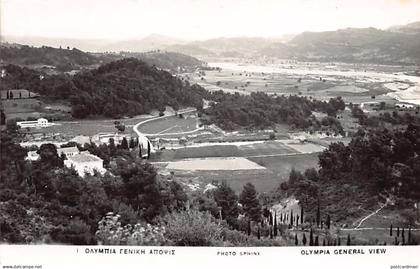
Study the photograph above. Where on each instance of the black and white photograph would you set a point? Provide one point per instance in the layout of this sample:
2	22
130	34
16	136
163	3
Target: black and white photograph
289	124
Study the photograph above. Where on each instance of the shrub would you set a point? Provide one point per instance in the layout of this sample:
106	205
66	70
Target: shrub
192	228
110	232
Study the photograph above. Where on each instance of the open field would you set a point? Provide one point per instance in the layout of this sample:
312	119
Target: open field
355	83
22	108
282	165
169	125
92	127
265	180
231	163
266	148
238	149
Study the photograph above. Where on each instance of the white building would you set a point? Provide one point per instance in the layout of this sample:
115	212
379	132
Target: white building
68	152
85	163
404	106
32	156
40	123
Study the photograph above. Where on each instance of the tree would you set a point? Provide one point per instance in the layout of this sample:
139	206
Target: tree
250	203
132	143
291	218
249	227
124	144
296	240
318	215
403	236
2	117
275	224
49	156
304	239
316	243
409	236
148	149
328	221
390	230
348	240
226	198
398	231
301	214
311	238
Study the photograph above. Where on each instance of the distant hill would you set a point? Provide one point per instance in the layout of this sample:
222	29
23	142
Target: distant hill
125	87
368	45
151	42
171	61
62	58
412	28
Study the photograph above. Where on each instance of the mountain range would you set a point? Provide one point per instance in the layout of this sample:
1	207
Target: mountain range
395	45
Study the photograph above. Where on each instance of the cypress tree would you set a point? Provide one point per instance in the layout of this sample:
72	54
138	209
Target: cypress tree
281	217
396	241
132	143
323	242
270	219
271	233
403	236
304	239
258	233
11	95
7	95
318	215
249	227
124	143
275	224
296	240
148	149
339	242
348	240
390	230
311	238
20	95
409	236
316	241
328	221
301	214
291	218
297	220
398	231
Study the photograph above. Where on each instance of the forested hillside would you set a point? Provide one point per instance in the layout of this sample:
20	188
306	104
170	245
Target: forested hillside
124	87
376	165
259	111
64	59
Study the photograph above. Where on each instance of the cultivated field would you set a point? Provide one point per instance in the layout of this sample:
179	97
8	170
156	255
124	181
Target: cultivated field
92	127
313	80
209	164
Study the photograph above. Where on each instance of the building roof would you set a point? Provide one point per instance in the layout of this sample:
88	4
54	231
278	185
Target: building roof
84	157
67	150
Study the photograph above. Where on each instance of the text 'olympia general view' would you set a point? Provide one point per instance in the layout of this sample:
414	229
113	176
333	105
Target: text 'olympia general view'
289	123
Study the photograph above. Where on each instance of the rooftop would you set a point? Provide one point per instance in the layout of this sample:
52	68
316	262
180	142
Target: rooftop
84	157
67	150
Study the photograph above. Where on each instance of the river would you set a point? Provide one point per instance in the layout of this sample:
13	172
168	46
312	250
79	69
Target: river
411	93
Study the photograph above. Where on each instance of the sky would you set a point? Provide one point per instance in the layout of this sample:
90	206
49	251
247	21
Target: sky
197	19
